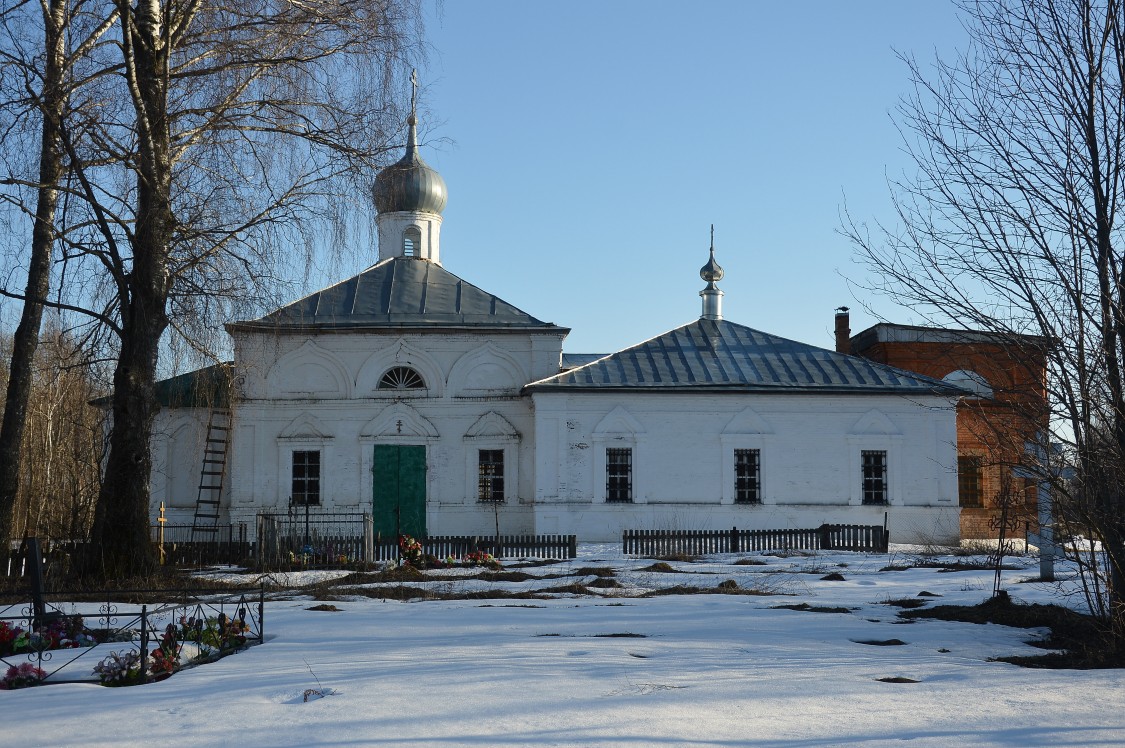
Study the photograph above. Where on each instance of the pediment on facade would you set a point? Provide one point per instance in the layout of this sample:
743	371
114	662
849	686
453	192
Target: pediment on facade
485	370
618	421
309	371
399	420
305	426
747	421
399	354
492	426
874	422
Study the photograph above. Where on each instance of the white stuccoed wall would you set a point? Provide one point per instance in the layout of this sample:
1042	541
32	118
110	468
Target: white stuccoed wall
306	393
177	458
683	455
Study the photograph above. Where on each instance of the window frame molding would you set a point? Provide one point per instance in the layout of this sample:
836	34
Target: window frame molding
618	429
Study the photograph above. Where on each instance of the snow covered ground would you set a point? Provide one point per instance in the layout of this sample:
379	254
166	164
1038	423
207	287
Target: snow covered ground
612	668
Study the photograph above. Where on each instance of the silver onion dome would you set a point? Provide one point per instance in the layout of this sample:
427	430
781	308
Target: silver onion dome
712	271
410	184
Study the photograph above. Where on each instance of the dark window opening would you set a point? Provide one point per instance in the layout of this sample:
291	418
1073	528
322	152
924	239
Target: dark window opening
619	475
874	477
747	476
411	242
306	478
490	475
970	479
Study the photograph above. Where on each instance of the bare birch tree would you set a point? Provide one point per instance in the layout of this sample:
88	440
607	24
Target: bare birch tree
214	142
246	121
40	44
1010	225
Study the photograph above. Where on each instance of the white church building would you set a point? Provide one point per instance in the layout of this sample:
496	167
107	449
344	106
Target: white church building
414	395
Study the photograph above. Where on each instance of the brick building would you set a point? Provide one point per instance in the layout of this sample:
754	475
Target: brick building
1009	375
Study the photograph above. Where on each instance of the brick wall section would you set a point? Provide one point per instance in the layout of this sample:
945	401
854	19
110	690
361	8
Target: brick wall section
993	429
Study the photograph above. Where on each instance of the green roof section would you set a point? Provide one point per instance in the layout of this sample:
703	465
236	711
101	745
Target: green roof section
399	292
208	387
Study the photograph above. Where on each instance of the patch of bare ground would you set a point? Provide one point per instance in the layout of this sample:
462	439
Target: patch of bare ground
594	571
812	608
749	562
681	589
531	563
947	566
660	566
881	642
1084	645
896	679
904	602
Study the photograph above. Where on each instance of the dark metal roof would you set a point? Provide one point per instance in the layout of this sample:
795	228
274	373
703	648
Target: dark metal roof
722	356
574	360
399	292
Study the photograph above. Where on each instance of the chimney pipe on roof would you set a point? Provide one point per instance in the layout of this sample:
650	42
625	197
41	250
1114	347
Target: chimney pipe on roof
843	330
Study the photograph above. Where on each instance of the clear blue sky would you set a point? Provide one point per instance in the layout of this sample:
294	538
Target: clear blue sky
588	146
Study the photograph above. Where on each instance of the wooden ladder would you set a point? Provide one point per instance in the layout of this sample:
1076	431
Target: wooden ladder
205	526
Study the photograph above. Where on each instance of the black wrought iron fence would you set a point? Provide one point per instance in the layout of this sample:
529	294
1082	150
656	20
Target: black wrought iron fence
177	546
118	644
320	538
502	546
869	538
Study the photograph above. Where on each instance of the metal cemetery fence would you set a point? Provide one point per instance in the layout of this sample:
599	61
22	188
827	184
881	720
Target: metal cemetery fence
503	546
177	548
325	538
869	538
322	538
56	646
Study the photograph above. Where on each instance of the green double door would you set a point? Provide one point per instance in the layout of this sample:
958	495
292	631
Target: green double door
399	490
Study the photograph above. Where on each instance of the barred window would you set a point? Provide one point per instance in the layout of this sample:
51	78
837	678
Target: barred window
490	475
619	474
747	476
306	478
874	477
970	477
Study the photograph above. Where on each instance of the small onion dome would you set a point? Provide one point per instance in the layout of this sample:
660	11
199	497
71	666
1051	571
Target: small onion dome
409	184
712	271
